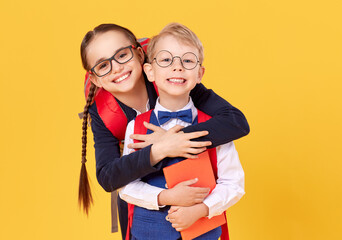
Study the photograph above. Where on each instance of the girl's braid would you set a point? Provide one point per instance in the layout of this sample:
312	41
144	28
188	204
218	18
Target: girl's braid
84	192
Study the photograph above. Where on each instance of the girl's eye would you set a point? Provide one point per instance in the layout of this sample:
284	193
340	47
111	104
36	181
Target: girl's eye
122	55
103	65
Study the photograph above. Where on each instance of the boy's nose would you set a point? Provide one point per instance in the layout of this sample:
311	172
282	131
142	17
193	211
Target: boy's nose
116	67
177	65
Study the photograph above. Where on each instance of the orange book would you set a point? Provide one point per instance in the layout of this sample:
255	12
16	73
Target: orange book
189	169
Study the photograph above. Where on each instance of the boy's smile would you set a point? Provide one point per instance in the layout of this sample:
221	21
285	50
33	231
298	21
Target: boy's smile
174	81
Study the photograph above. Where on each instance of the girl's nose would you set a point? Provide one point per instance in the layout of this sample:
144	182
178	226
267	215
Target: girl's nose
116	67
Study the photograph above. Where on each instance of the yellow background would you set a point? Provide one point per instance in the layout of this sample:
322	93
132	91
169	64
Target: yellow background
277	61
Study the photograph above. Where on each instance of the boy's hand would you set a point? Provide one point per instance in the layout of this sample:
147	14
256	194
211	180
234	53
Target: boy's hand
183	194
183	217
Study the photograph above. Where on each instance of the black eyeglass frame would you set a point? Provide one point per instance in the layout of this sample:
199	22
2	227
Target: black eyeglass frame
92	70
180	58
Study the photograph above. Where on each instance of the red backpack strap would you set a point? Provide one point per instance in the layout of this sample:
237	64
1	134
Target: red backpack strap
111	113
144	43
130	220
224	228
202	117
109	110
139	128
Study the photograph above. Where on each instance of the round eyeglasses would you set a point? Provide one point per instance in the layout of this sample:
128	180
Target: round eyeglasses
164	59
121	56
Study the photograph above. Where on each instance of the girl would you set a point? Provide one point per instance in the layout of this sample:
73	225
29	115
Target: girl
114	59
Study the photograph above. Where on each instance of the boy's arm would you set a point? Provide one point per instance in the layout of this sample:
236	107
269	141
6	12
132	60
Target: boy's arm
141	194
150	197
229	189
184	217
227	123
230	184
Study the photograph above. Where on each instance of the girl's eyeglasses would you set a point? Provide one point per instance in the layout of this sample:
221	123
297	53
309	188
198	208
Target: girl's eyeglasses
121	56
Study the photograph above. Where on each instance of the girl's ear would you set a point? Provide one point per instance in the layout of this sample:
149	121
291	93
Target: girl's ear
149	72
141	55
95	80
200	74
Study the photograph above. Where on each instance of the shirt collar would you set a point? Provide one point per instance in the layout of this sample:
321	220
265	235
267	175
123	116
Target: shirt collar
189	105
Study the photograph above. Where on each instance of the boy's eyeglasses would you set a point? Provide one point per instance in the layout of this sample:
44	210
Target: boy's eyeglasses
121	56
164	59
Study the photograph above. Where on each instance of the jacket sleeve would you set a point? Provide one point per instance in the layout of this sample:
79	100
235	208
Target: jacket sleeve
113	171
227	123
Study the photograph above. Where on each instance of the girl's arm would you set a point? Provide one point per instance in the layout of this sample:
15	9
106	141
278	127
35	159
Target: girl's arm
227	123
113	171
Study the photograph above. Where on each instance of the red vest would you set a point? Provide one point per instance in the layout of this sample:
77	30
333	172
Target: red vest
139	128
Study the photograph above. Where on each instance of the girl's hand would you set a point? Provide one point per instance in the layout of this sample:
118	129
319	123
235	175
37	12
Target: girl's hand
175	143
147	139
183	217
183	194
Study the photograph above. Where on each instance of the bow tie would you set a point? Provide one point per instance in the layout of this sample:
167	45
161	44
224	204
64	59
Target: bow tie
184	115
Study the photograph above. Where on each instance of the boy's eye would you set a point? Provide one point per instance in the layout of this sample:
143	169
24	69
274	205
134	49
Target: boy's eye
166	60
188	61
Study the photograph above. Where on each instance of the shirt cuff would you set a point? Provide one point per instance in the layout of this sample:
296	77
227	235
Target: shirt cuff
214	204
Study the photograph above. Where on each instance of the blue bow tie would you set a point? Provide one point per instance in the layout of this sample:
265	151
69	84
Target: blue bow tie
184	115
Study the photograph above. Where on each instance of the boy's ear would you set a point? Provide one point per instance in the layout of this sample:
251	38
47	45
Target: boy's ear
149	72
95	80
200	73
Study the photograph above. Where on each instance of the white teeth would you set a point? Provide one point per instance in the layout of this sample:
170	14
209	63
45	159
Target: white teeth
176	80
121	78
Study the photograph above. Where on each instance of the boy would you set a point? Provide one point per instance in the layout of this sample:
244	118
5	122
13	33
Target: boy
175	65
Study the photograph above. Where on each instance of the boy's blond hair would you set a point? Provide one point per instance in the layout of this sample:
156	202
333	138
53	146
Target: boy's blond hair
181	33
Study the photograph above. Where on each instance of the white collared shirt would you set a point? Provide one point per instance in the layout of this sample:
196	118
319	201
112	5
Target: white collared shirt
230	183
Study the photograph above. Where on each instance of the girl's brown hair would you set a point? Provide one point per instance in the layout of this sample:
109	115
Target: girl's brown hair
84	192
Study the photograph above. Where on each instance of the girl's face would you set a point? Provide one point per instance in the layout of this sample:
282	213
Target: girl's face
123	77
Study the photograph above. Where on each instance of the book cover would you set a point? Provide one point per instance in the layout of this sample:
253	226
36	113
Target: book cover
189	169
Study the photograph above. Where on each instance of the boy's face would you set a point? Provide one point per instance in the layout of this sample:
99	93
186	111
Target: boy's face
174	80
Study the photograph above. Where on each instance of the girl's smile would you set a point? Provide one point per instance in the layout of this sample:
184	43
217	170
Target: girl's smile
123	78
